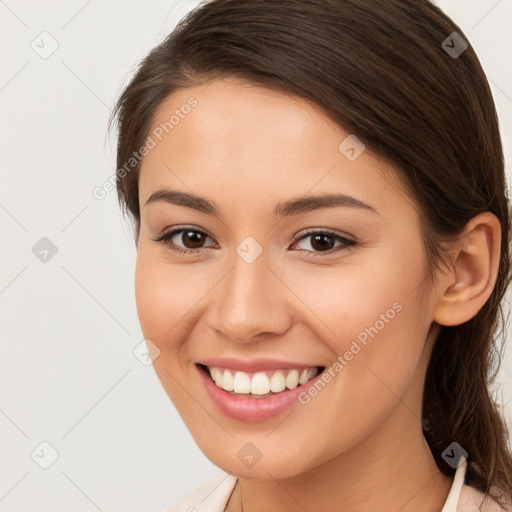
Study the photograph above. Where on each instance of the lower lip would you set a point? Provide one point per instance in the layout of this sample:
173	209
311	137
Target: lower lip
253	409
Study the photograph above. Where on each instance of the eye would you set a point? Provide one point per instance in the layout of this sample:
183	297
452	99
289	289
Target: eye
191	238
324	242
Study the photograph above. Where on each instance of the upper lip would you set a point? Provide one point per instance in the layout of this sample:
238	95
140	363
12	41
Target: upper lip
252	365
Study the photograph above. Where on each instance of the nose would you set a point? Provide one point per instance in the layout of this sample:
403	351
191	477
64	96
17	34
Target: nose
251	303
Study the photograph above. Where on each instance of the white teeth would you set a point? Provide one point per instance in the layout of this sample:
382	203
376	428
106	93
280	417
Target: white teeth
303	376
260	383
292	379
216	375
228	381
242	383
277	382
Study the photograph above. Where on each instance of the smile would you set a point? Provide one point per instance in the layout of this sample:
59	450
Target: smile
261	383
257	395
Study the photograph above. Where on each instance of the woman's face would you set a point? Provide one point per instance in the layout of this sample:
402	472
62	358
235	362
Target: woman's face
266	291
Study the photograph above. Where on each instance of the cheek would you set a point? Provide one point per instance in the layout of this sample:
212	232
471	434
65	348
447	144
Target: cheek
351	301
161	301
370	317
378	366
164	296
162	305
377	341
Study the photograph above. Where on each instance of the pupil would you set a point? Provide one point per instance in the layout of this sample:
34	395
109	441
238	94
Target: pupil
194	235
321	239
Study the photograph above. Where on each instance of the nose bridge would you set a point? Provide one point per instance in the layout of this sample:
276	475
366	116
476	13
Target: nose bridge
250	301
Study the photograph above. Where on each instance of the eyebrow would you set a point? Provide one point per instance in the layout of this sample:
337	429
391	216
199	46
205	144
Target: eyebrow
282	209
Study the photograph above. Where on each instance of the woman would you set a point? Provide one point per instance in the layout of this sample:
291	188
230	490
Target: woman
322	231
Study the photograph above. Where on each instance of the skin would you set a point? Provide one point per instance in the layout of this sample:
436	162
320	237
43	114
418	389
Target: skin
358	444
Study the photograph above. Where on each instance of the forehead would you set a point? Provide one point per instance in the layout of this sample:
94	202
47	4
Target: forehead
242	141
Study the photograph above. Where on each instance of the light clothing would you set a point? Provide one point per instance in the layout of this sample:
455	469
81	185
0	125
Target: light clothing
213	496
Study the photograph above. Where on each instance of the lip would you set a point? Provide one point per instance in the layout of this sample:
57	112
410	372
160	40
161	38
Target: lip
252	409
254	365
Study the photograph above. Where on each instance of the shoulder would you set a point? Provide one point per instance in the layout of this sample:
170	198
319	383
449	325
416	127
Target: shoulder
209	497
472	500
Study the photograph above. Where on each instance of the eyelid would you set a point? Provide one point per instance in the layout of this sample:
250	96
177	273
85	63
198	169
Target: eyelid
347	242
327	231
171	232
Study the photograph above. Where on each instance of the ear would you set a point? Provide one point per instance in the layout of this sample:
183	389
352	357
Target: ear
475	262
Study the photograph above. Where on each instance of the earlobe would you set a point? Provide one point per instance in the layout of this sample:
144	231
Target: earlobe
465	289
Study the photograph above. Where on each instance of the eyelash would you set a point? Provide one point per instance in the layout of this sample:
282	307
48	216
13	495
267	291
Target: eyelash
346	243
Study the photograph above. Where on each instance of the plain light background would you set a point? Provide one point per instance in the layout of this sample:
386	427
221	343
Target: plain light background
68	373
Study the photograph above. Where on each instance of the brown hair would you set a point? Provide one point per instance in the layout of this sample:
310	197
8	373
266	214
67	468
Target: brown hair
380	69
